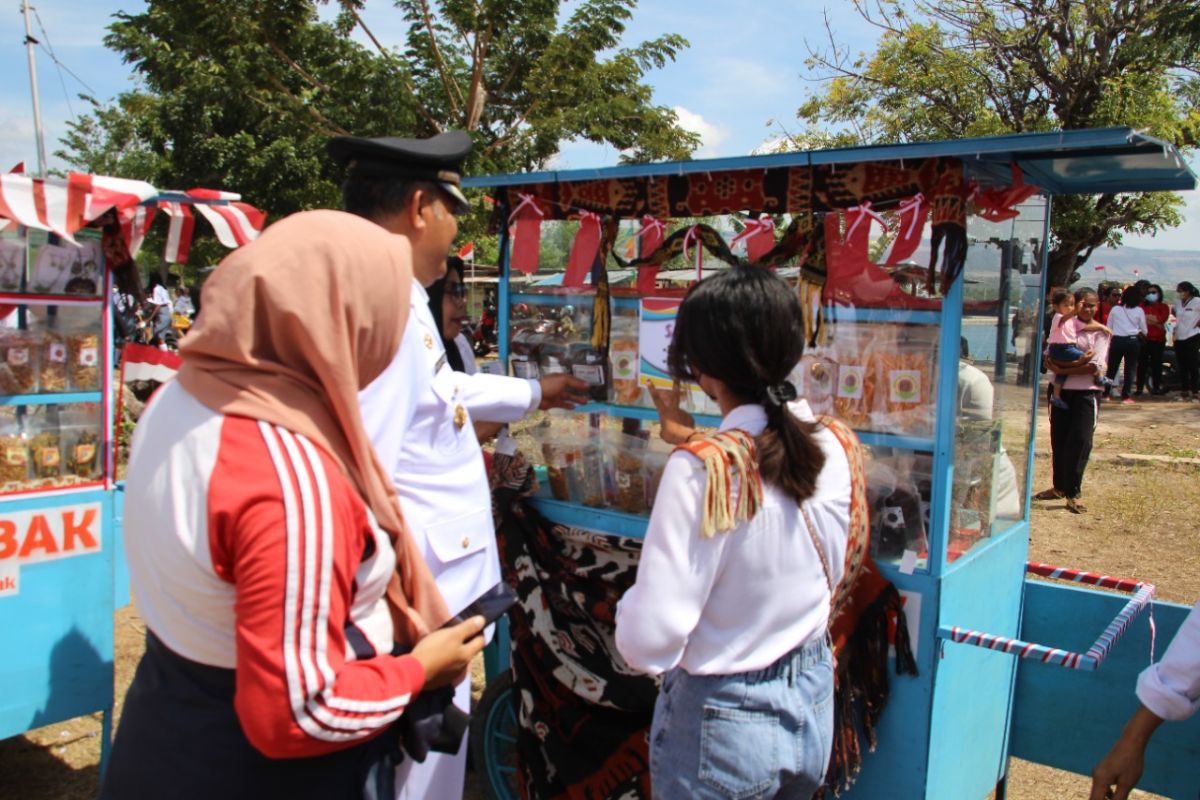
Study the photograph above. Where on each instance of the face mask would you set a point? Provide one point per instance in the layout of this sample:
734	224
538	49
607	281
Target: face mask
1153	298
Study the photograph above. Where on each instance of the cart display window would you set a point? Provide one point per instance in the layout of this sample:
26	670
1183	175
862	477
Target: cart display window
998	369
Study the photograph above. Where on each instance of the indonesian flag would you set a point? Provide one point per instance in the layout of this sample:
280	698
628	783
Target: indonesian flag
235	223
135	222
1099	268
179	233
66	206
141	362
467	252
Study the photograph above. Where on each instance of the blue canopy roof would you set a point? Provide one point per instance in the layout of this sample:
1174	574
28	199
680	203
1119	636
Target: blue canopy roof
1064	162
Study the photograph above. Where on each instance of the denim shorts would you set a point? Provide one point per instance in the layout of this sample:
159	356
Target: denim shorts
765	733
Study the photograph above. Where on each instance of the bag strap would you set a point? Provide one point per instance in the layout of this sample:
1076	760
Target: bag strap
812	534
860	526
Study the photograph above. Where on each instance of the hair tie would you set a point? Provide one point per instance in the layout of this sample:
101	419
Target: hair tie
781	393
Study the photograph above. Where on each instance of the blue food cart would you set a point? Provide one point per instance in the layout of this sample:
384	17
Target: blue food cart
923	270
62	567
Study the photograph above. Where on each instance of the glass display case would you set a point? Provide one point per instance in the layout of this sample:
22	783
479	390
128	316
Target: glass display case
54	365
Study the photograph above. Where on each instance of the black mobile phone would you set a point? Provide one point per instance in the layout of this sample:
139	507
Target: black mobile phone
491	604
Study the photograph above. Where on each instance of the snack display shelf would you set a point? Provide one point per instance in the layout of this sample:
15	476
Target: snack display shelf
17	298
638	412
839	313
60	398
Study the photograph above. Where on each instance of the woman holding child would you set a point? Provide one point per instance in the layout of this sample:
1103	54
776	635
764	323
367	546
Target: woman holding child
1072	426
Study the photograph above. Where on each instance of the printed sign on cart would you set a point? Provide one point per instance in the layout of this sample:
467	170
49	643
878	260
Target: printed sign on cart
656	326
45	534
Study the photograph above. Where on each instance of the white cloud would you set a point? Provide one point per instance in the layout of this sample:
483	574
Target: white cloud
711	135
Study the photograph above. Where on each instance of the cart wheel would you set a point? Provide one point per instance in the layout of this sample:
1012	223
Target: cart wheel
494	739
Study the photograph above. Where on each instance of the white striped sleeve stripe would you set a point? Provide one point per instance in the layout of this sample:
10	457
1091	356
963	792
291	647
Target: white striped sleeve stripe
310	679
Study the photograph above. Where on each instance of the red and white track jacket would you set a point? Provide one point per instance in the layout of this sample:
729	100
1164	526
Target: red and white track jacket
250	550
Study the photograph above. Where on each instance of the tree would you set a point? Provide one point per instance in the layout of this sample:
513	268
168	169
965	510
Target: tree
948	69
244	95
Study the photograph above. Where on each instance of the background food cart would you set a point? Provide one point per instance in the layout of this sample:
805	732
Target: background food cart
62	567
934	366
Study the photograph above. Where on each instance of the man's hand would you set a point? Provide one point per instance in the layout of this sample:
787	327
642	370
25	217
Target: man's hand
676	424
1116	775
562	391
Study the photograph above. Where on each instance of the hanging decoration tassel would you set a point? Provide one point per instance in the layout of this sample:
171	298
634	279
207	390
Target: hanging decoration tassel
912	212
525	224
583	250
651	236
813	316
693	238
759	236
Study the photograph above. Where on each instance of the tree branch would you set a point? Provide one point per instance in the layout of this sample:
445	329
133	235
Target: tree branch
391	60
453	93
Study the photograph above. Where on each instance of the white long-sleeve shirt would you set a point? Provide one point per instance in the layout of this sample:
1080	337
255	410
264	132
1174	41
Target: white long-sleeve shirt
742	599
418	414
1171	688
1187	319
1127	321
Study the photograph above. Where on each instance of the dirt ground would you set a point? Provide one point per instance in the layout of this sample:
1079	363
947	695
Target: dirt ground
1141	523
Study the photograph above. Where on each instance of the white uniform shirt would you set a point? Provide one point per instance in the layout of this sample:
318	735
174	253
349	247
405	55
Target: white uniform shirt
467	354
742	599
1127	321
1171	688
1187	319
494	398
411	414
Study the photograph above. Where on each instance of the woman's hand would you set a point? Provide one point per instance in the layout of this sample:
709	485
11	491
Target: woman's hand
676	424
447	652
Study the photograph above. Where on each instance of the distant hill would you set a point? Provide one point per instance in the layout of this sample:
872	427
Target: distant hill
1164	267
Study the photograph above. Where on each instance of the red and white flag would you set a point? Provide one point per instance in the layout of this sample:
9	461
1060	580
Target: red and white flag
235	223
467	252
66	206
142	362
179	234
1137	272
135	222
1099	268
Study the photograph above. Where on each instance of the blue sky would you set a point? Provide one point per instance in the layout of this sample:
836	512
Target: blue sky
745	69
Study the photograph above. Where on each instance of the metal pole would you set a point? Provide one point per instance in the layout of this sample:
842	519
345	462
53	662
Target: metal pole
33	86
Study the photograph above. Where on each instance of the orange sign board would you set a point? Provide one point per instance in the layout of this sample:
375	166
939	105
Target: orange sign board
45	534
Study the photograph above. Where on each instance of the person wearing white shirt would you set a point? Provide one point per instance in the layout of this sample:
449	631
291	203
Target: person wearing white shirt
447	304
1128	324
1187	339
418	412
733	608
1168	690
160	314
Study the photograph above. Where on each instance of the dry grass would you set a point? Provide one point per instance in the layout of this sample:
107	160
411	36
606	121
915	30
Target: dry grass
1141	523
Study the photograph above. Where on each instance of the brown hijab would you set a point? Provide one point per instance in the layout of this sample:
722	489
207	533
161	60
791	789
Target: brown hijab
294	325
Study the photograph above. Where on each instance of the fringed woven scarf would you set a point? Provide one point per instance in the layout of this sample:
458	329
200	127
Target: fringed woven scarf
728	455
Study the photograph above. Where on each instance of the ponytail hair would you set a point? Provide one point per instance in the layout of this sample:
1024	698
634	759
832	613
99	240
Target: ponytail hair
743	326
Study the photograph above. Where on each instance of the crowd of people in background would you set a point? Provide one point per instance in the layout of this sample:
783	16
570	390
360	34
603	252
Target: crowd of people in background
159	315
1146	329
